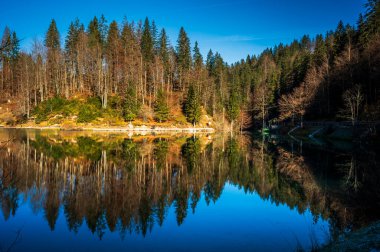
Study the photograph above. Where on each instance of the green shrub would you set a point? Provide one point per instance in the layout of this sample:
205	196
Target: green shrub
54	105
88	113
115	102
161	108
95	101
71	108
131	106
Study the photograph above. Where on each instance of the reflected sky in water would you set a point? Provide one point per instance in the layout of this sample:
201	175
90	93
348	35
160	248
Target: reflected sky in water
235	221
79	191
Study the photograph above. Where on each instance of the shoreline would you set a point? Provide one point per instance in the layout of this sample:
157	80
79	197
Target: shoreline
140	129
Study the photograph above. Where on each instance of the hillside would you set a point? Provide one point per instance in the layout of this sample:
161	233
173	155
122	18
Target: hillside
132	73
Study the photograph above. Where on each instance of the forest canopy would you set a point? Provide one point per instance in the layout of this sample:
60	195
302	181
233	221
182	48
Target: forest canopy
133	71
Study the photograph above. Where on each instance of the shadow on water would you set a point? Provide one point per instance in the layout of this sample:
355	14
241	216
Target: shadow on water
110	182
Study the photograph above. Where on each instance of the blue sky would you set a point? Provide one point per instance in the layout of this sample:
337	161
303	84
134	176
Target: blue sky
234	28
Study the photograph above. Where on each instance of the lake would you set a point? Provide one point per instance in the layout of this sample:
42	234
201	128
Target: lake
65	191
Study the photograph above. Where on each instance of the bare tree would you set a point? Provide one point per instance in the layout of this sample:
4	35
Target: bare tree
353	99
295	104
263	94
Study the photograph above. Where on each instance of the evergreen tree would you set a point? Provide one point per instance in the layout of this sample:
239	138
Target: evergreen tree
6	44
52	43
218	66
183	51
340	38
372	17
233	105
161	108
131	104
368	25
94	37
128	39
197	57
320	50
156	41
163	49
15	45
113	40
113	48
72	37
210	61
103	30
192	107
362	36
52	37
305	43
147	44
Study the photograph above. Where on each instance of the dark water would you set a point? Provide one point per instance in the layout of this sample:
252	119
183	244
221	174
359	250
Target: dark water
67	191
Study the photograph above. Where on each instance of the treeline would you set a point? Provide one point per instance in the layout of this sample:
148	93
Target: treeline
331	76
132	61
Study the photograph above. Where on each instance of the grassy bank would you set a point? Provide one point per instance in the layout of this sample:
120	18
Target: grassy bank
85	113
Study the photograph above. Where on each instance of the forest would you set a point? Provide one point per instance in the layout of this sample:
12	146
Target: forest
130	72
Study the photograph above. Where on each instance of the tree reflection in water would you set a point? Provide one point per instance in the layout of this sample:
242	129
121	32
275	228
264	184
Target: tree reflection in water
127	185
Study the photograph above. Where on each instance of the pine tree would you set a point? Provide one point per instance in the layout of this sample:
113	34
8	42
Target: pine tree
210	61
163	53
72	37
52	42
368	25
362	36
112	40
183	50
131	104
71	50
93	31
52	37
218	72
9	55
340	38
305	43
103	30
127	34
183	56
6	44
197	56
372	17
161	108
147	45
129	41
113	46
15	45
163	48
320	51
192	107
156	42
233	105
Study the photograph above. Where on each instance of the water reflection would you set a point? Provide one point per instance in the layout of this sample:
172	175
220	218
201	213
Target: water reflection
127	185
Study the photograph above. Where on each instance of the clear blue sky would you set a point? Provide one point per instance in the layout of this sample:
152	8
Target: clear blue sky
234	28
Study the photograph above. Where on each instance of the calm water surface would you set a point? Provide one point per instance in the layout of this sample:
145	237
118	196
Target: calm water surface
68	191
